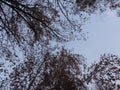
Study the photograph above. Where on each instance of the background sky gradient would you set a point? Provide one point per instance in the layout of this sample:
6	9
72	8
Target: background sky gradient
103	37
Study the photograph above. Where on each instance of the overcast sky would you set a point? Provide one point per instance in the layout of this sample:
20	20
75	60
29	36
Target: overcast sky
103	37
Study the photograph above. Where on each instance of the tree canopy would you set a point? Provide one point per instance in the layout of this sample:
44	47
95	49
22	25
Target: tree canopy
28	26
106	73
41	20
54	72
24	22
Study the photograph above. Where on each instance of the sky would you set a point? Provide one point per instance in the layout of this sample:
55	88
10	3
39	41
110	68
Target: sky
103	37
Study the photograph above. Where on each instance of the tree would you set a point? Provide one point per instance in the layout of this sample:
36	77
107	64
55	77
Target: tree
106	73
91	6
30	25
37	17
61	71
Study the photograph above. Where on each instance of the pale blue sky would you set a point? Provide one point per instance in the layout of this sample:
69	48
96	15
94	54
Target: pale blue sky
103	37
